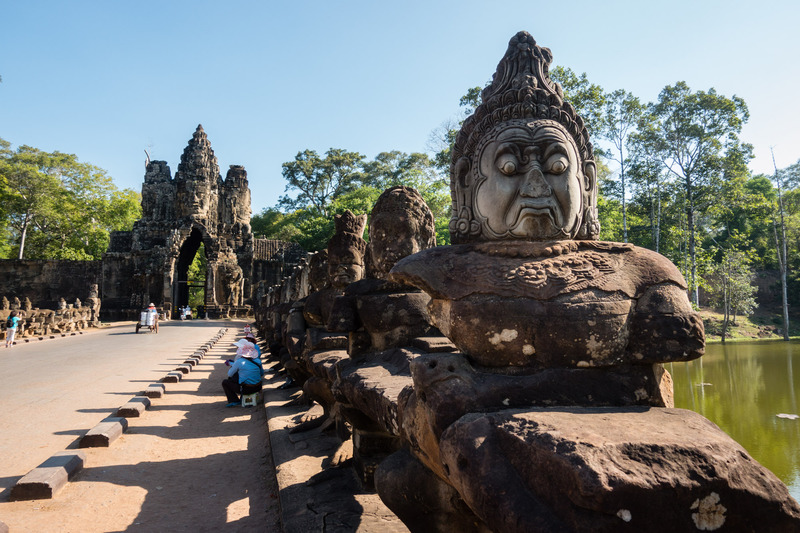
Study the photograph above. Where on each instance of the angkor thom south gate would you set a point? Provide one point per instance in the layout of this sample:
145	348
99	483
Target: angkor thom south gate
150	263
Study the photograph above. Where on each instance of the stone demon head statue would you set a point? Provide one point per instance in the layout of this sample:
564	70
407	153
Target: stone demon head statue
522	165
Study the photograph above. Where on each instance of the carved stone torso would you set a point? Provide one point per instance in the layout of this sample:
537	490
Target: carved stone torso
559	304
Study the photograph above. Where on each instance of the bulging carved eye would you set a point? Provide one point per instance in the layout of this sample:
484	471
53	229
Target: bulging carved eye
507	165
556	165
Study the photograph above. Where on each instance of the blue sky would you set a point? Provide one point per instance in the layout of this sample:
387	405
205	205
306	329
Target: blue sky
107	80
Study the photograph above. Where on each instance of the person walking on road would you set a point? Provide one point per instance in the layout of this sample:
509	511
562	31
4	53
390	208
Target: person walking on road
11	328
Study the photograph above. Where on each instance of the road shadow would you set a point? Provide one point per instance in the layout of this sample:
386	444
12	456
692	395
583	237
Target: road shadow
198	493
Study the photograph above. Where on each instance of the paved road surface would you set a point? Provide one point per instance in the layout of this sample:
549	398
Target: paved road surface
53	391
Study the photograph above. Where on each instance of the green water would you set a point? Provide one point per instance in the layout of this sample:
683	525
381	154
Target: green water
741	387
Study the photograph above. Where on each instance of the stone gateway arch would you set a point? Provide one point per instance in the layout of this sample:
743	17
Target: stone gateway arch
197	206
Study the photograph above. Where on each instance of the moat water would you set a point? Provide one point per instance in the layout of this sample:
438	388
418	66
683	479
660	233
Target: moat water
751	391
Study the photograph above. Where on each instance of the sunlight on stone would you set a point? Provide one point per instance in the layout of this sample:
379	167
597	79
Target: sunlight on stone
238	509
244	417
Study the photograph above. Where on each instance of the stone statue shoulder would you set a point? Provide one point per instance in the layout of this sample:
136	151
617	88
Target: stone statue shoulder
538	270
377	286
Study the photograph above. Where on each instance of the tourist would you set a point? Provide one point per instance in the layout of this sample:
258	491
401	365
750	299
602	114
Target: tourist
244	375
153	316
11	328
252	339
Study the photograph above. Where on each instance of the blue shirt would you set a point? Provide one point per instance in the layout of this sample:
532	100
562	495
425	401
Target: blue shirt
15	321
250	370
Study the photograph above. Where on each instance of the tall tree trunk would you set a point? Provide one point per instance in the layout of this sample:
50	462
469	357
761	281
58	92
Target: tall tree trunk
781	251
622	182
781	248
725	304
692	248
23	233
658	215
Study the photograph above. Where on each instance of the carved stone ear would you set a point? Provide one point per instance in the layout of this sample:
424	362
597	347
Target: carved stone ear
461	171
590	175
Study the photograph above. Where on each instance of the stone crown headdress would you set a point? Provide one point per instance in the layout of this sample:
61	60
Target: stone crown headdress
521	88
408	202
347	222
349	235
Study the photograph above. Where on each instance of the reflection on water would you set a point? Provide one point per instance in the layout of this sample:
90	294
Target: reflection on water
741	387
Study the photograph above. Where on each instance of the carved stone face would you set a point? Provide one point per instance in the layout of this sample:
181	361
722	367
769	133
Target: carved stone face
392	238
345	268
530	183
318	271
194	200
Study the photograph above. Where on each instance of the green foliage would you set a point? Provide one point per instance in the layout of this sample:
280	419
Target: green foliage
390	169
345	181
318	180
196	275
587	98
55	207
730	286
623	111
694	135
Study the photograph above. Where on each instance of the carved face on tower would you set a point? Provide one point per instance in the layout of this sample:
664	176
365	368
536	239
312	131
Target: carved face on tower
193	198
531	182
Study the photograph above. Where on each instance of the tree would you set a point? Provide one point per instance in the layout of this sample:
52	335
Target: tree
623	111
318	180
344	180
647	183
587	98
57	207
272	224
732	288
390	169
691	134
33	189
781	249
196	276
443	138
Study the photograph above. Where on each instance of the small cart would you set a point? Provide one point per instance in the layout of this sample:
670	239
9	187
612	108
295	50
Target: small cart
147	319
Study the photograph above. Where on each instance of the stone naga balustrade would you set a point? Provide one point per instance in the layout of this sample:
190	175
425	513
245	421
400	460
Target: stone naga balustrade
36	322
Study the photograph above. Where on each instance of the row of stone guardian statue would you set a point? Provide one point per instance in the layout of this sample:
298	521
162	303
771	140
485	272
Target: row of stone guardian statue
35	322
513	381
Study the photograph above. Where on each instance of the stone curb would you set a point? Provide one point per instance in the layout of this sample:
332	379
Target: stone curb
156	390
172	377
312	496
104	433
44	481
135	407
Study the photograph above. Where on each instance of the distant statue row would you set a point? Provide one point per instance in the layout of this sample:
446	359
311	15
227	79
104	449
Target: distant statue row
513	381
35	322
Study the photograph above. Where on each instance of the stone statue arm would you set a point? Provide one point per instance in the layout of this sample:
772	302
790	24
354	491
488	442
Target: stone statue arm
344	315
296	331
664	327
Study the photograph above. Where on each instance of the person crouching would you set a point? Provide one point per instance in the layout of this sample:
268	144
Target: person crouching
244	374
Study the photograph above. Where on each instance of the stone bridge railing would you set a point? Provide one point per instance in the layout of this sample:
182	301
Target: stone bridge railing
36	322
